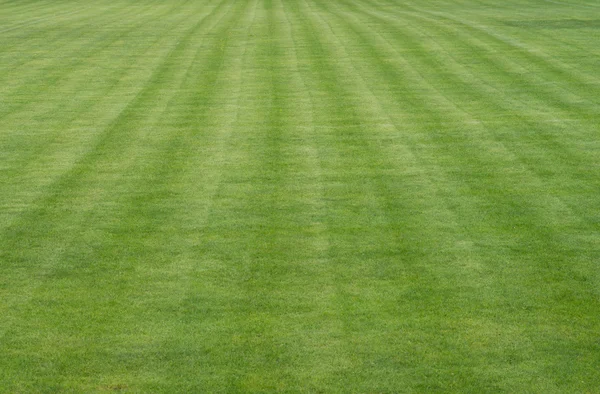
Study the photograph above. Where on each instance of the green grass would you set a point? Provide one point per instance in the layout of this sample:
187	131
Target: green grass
300	196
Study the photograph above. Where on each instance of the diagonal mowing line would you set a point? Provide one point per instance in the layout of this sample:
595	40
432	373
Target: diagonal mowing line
78	168
36	21
44	152
557	204
76	57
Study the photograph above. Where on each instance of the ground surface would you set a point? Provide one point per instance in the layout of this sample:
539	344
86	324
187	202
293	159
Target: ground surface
317	195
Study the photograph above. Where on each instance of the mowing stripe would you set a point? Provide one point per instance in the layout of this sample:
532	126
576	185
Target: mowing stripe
277	195
57	204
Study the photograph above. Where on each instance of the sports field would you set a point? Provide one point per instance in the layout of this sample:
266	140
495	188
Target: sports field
300	196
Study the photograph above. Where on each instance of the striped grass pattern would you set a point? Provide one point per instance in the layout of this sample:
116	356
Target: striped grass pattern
300	195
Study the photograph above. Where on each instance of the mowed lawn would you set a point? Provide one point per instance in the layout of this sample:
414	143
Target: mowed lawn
300	196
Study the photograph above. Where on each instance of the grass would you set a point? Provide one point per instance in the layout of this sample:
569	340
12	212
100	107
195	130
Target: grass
299	195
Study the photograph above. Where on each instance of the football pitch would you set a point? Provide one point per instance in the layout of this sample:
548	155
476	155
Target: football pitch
300	196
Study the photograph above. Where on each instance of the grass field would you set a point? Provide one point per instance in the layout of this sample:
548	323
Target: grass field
300	195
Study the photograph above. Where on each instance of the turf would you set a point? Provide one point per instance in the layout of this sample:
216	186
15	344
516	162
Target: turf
300	196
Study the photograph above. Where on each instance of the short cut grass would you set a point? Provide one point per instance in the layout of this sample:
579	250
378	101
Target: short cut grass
299	195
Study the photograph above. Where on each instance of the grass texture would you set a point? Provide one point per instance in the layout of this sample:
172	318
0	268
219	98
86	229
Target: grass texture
300	196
